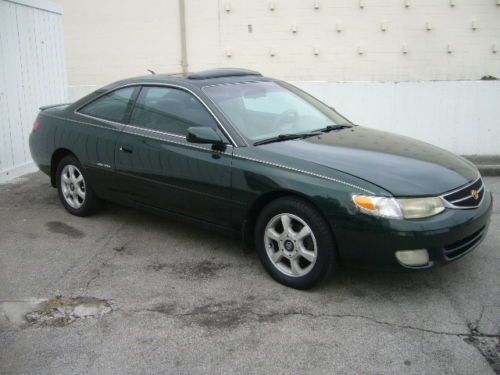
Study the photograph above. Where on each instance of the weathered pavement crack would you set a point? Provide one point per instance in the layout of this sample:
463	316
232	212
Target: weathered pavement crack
272	315
487	346
217	316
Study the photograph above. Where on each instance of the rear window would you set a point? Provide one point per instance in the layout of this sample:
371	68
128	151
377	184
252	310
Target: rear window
112	106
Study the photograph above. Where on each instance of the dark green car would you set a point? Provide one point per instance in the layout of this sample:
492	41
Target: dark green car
257	157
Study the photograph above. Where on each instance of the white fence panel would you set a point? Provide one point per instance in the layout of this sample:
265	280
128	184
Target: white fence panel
32	74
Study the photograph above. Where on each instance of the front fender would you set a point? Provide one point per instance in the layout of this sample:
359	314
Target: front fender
254	176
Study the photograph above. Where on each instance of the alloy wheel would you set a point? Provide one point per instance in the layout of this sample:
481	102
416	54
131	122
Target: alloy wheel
290	245
73	186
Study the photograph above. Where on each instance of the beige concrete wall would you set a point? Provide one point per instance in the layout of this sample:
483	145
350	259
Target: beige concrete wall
361	50
113	39
335	40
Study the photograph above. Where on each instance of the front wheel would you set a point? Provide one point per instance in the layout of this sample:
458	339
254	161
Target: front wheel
74	192
295	243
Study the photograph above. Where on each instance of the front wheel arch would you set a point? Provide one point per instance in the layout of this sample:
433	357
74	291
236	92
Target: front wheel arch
262	201
320	253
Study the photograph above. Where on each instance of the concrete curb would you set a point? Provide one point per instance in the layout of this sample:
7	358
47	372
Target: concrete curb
488	165
489	170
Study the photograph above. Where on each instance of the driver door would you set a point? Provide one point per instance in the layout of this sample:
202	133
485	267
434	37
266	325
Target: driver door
158	168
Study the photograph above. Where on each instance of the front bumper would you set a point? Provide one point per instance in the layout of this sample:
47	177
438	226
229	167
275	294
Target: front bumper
372	242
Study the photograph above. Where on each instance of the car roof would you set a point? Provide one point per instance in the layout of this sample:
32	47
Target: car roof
199	79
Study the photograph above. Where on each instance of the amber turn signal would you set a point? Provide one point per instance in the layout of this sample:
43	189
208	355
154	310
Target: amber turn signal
364	202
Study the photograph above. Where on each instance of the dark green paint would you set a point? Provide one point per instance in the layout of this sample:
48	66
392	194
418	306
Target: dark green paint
221	186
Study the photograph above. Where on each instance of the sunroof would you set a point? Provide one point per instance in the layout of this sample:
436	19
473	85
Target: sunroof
223	72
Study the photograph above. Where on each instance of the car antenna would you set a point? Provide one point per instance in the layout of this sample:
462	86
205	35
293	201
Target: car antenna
151	71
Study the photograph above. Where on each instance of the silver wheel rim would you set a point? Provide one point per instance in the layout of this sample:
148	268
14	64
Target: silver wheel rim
290	245
73	186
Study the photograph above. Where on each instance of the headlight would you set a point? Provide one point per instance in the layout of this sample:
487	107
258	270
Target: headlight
414	208
407	208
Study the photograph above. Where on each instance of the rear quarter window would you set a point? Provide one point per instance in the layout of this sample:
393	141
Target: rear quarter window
113	106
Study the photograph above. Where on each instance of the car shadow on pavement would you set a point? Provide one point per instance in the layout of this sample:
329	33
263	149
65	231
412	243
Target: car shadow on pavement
220	246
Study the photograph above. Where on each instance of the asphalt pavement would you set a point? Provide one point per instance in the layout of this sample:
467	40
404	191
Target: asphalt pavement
165	297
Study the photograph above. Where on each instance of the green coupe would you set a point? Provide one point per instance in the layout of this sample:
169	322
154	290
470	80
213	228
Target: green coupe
259	158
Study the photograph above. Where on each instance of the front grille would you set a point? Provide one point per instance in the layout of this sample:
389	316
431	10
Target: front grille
469	196
460	247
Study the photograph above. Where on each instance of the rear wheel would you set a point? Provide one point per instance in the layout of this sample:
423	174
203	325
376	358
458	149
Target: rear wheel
294	243
74	192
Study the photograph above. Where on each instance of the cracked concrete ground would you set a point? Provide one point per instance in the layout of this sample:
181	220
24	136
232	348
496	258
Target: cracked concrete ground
188	301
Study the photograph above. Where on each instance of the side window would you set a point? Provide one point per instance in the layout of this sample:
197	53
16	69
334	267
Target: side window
169	110
112	106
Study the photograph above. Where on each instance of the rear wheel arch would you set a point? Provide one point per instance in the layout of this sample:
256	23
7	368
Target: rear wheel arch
76	195
57	156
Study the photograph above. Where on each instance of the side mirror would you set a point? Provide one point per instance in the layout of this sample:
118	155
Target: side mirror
202	134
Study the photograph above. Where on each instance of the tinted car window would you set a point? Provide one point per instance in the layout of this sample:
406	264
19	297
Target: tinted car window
266	109
169	110
112	106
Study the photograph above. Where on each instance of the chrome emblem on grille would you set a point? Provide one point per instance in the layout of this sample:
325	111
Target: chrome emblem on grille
474	194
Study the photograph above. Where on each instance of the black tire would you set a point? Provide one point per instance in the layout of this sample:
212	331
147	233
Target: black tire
326	254
87	206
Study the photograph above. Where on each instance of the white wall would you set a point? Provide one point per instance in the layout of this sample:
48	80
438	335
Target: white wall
460	116
32	74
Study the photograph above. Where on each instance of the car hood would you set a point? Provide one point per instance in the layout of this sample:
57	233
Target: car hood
398	164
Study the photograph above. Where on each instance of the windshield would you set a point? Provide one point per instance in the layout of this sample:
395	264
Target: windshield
262	110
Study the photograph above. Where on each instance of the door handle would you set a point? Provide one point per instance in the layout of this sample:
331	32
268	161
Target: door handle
127	148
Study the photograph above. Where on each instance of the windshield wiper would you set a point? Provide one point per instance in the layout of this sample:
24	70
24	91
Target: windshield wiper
286	137
329	128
